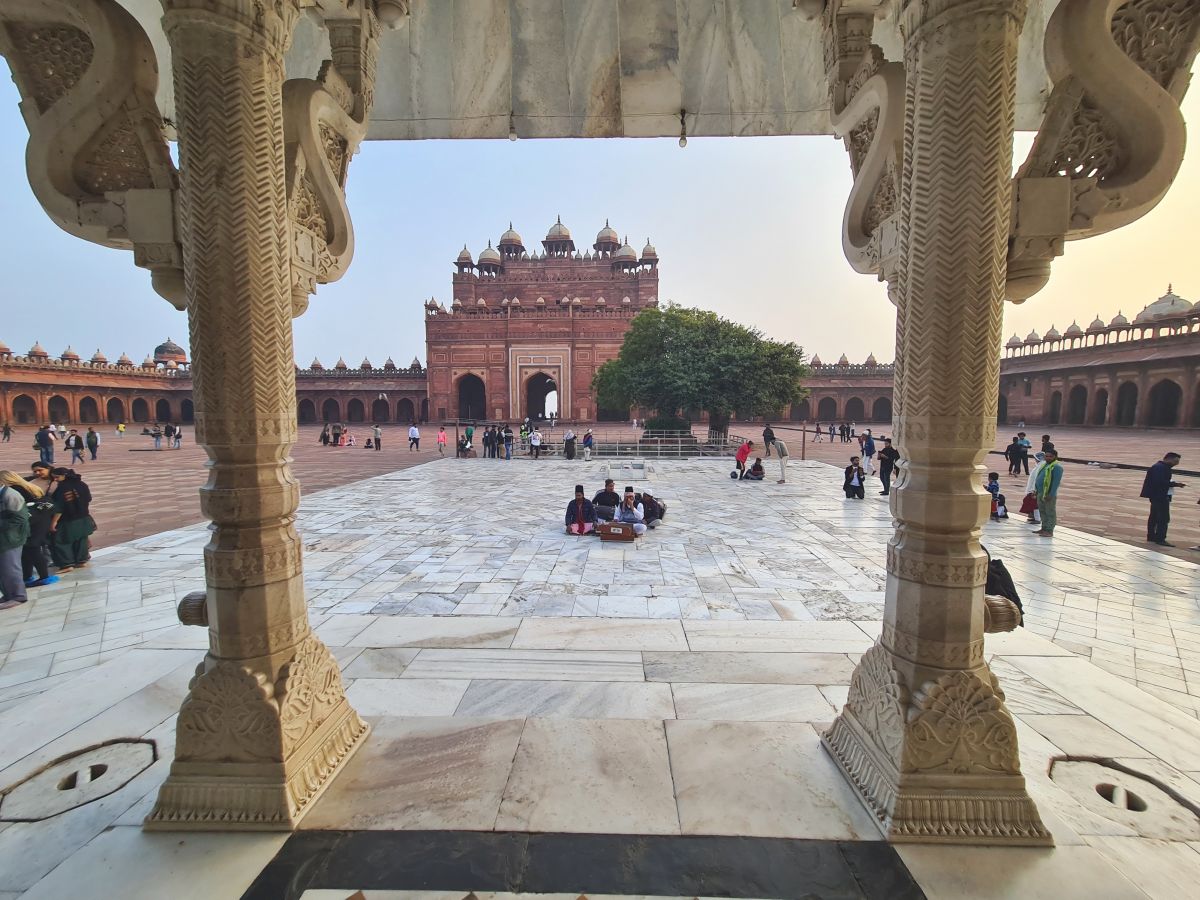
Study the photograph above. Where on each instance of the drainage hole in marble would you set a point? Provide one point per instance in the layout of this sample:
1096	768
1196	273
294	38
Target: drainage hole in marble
1121	798
76	779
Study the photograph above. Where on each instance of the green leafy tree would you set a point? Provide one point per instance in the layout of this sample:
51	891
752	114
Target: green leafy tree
676	358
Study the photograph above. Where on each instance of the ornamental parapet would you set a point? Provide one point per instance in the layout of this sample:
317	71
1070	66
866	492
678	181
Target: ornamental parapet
409	372
35	364
857	370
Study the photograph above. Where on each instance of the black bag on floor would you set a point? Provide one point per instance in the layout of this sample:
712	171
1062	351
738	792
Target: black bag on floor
1000	583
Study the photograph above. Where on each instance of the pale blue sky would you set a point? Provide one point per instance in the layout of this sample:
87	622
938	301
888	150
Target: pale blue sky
748	227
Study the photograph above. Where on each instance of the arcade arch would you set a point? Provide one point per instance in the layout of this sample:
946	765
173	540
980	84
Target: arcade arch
472	398
356	411
141	410
405	411
306	412
1077	405
115	410
331	411
59	410
827	409
162	410
1127	401
24	410
541	396
1165	399
855	410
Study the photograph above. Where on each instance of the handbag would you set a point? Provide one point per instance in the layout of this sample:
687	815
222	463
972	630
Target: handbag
1029	504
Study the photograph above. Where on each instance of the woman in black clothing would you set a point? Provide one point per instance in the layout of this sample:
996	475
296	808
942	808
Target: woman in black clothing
72	524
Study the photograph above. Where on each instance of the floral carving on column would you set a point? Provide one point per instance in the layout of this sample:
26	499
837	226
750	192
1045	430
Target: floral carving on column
97	158
1112	138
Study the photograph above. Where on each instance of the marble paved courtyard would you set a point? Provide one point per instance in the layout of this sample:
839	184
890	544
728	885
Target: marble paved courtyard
520	681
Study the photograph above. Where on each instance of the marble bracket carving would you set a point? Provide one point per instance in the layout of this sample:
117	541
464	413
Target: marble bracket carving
325	120
1112	138
866	95
97	158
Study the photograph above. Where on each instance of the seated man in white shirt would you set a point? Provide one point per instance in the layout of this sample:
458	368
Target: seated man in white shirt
631	512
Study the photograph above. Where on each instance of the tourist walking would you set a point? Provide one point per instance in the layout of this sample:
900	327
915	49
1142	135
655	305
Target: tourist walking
1012	453
377	435
868	452
889	456
535	443
92	441
40	507
177	438
44	440
14	532
335	435
72	524
1026	446
588	443
120	429
817	434
507	437
768	438
74	443
1046	490
489	441
1029	504
569	443
8	432
781	451
441	440
1158	488
414	437
324	438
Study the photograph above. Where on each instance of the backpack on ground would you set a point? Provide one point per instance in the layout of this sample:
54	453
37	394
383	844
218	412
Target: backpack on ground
1000	583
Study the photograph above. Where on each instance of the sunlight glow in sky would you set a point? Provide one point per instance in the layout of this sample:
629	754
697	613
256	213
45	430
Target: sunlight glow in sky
748	227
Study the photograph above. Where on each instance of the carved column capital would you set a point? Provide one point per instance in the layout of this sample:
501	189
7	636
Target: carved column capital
270	23
919	17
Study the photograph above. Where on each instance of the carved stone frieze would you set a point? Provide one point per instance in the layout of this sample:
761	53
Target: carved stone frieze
87	75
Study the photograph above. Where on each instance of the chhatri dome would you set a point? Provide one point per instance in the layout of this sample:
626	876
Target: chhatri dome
124	360
464	256
626	253
558	231
4	351
99	359
815	361
316	365
1032	338
1168	305
1014	341
1118	320
169	351
648	252
511	239
37	351
340	365
1073	330
1097	324
69	355
607	239
844	361
1052	334
490	255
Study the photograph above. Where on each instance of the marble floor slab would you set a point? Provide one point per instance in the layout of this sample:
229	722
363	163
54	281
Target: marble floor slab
752	703
427	773
606	776
600	634
406	696
571	699
429	631
535	665
770	779
748	668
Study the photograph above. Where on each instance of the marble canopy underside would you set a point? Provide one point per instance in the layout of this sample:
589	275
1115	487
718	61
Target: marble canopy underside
604	68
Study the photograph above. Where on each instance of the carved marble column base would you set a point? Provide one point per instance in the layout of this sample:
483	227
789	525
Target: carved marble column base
949	806
218	795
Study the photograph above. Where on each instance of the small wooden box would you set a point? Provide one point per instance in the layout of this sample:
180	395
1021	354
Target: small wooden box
616	531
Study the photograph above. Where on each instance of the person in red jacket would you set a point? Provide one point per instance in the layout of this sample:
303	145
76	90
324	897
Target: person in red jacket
743	454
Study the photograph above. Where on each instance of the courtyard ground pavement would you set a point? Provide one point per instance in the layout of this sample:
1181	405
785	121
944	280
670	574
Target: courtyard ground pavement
522	682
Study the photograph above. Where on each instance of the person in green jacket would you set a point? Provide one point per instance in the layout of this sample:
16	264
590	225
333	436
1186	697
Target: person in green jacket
1046	489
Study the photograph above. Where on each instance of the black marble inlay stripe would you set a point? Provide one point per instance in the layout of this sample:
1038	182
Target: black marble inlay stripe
584	864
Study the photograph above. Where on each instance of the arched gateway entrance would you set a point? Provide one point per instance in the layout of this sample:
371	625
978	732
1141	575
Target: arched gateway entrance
541	396
267	724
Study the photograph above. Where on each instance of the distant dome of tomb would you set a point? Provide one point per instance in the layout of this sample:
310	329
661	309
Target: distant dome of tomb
169	351
1168	305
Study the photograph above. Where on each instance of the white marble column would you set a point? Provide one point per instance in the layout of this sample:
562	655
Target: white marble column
266	723
925	737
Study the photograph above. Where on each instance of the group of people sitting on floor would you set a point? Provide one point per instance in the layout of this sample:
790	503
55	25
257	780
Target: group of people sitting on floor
641	510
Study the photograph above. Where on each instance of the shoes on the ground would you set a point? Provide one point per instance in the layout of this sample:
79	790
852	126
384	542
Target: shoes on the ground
42	582
62	569
9	604
1197	547
781	481
884	493
1163	544
1041	533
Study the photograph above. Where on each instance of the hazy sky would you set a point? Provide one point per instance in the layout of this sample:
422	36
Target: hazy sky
749	227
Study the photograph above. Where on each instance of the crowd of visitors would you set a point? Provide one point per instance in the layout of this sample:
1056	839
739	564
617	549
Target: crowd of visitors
45	522
844	433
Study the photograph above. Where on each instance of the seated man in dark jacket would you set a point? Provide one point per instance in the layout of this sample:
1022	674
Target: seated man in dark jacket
655	510
606	502
581	515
